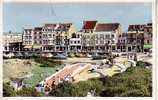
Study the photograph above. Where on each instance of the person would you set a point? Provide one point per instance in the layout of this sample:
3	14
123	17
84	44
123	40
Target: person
135	57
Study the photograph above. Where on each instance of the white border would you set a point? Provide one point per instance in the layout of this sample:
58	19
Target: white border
155	41
69	1
1	60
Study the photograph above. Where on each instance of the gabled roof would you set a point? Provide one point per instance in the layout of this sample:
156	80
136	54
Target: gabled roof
64	26
138	27
51	26
58	26
106	27
89	24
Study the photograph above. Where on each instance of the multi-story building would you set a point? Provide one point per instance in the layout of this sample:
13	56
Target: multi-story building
148	37
56	37
37	37
12	42
122	43
28	39
88	36
106	36
63	34
75	42
48	37
135	38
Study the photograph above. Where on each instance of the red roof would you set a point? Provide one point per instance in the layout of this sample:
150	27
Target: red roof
89	24
107	27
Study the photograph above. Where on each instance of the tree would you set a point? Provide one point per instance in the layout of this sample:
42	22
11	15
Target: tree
136	81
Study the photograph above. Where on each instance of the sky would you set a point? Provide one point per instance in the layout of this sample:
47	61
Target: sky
17	16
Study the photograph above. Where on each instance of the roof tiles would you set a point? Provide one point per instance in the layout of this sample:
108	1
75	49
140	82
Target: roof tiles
106	27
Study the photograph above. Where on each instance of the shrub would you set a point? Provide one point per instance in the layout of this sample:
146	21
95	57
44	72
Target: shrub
8	91
29	92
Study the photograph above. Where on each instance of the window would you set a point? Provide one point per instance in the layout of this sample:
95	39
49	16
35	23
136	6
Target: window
101	42
112	36
118	41
108	42
112	41
78	41
50	35
96	36
40	42
78	36
107	36
96	42
26	37
101	36
124	41
35	42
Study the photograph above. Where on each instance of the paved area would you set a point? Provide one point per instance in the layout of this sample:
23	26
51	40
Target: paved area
79	60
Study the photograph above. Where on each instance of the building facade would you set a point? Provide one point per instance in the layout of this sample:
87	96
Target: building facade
135	38
88	36
28	39
12	42
106	37
48	38
75	42
122	43
148	37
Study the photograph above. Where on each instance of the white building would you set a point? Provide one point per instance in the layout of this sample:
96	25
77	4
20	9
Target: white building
9	39
106	36
75	42
28	38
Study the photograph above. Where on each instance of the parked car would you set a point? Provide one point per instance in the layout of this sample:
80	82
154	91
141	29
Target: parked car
10	55
96	56
60	56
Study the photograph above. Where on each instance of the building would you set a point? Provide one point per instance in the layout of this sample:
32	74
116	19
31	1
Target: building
106	36
88	36
75	42
56	37
37	39
122	43
62	38
28	39
48	38
135	38
148	37
12	42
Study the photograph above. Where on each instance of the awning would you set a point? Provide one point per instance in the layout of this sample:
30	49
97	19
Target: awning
28	46
37	46
113	44
147	46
